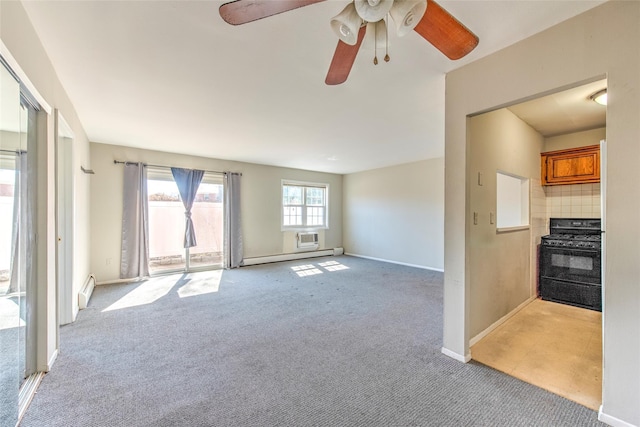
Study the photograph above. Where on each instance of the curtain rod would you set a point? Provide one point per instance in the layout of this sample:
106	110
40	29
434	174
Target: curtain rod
161	166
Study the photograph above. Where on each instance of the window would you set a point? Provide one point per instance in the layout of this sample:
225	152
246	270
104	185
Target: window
512	201
304	205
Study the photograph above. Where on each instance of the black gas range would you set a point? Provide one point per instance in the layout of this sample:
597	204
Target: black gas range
570	264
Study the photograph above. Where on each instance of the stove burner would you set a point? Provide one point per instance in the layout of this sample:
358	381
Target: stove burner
574	233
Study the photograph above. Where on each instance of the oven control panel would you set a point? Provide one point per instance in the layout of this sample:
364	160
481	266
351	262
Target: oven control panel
580	244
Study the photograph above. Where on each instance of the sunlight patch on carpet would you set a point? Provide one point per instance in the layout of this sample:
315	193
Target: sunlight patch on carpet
333	266
312	270
146	293
201	285
306	270
9	314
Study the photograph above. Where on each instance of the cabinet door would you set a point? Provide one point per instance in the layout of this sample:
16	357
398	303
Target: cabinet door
577	166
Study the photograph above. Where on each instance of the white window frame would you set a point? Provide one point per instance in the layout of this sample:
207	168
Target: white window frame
305	184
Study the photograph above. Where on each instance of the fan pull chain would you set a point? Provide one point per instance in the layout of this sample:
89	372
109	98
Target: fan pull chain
387	58
375	44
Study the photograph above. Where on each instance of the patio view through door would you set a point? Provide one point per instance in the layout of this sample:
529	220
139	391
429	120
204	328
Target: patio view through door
167	224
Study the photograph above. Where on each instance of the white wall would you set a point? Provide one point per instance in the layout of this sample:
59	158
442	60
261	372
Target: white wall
21	40
397	213
603	42
261	202
499	262
575	139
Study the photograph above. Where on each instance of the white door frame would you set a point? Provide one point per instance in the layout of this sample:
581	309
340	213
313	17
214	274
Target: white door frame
65	221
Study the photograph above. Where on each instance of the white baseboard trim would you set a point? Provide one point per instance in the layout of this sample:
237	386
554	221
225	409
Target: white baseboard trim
454	355
287	257
499	322
51	361
612	421
394	262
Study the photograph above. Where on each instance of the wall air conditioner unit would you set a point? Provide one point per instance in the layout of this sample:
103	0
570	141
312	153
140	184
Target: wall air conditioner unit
307	240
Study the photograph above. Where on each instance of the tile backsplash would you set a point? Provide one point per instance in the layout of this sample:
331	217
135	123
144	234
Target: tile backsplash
538	209
573	201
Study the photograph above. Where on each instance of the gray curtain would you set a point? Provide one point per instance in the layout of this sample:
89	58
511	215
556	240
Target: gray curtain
188	181
233	231
135	223
21	226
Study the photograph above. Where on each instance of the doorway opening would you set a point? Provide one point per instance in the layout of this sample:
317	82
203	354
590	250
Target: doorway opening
65	221
507	318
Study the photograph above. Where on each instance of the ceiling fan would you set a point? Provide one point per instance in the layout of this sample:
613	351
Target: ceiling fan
426	17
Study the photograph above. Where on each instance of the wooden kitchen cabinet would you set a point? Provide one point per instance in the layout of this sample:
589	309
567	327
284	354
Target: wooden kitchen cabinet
573	166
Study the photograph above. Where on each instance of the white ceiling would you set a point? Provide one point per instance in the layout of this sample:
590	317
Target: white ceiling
571	110
172	76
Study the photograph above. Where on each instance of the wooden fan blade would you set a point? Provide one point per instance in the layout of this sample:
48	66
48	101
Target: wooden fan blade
243	11
343	60
445	32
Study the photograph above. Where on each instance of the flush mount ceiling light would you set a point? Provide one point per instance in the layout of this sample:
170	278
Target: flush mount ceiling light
600	97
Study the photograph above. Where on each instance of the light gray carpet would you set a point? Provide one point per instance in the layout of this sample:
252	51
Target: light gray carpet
358	346
9	374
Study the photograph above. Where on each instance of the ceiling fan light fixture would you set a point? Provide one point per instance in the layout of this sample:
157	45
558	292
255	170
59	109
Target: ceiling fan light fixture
406	14
346	24
600	97
373	10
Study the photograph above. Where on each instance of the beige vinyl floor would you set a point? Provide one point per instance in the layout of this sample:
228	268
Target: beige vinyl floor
554	346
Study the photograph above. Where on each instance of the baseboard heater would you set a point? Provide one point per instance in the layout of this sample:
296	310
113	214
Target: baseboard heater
292	257
86	291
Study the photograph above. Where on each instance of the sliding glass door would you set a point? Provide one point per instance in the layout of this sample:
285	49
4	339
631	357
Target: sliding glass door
167	224
17	245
